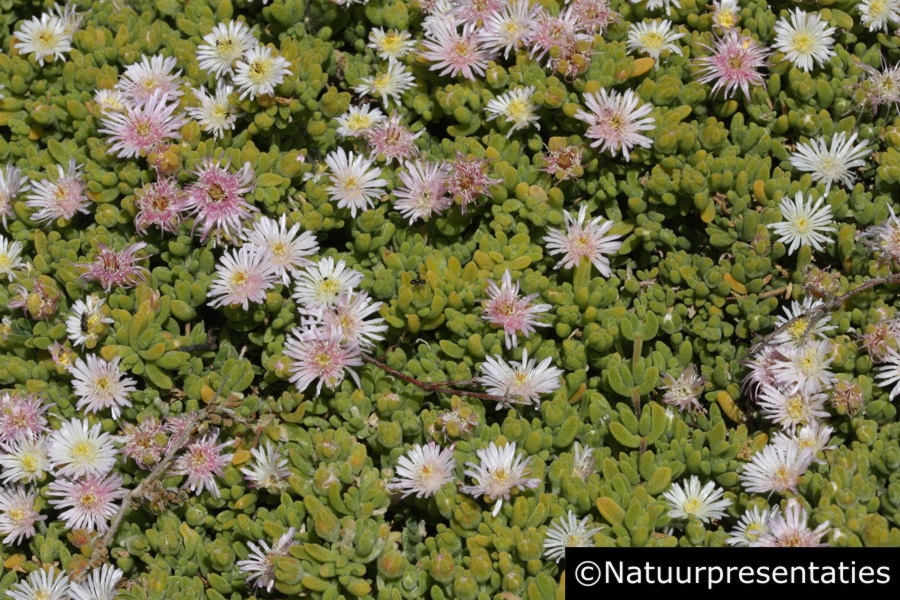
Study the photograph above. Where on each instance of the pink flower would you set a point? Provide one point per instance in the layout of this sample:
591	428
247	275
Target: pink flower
504	308
242	277
583	240
60	199
216	199
119	269
454	52
424	191
323	354
160	203
616	121
392	139
201	462
468	179
18	514
145	442
563	31
733	64
472	11
21	417
140	130
152	76
90	501
594	15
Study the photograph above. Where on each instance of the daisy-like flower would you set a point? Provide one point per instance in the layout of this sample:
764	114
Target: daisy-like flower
813	437
202	461
878	14
10	258
113	268
243	276
91	501
884	238
160	203
583	464
561	34
423	470
467	179
24	460
804	224
389	85
423	193
215	113
12	183
568	532
805	39
18	514
261	564
391	45
802	330
688	500
879	337
144	442
831	165
510	28
258	72
791	409
753	525
519	382
733	64
100	385
888	375
21	416
499	471
654	4
42	585
392	139
287	248
87	323
580	241
504	308
322	285
141	129
269	469
99	585
455	52
806	368
224	46
616	121
726	14
473	11
654	38
350	315
358	120
516	109
78	450
776	468
44	37
323	354
216	199
153	76
684	392
60	199
355	183
790	530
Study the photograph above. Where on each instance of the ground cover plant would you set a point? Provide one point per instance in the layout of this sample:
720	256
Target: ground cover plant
396	299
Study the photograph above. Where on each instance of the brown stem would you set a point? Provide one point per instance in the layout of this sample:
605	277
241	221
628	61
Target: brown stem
438	387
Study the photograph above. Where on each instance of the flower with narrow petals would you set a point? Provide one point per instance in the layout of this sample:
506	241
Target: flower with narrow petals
12	183
391	45
423	470
18	514
568	532
560	35
87	323
510	28
355	183
688	500
505	309
726	14
519	383
216	199
616	121
498	472
261	564
10	258
268	469
44	37
884	238
473	11
25	460
595	16
259	71
99	585
455	52
321	353
776	468
391	139
889	373
110	100
91	501
654	4
100	385
113	268
21	416
423	193
804	224
60	199
161	203
805	368
790	530
202	461
141	129
834	164
790	409
78	450
41	585
224	46
753	524
323	284
467	179
684	392
580	241
802	329
516	109
564	162
215	113
389	85
813	437
243	276
878	14
733	64
584	464
153	76
358	120
145	442
351	315
288	249
805	40
654	38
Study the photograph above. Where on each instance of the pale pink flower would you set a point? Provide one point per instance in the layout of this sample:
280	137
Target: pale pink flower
152	76
454	52
391	139
424	191
216	199
142	129
595	16
684	392
242	276
202	461
12	183
160	203
288	249
473	11
18	514
323	354
113	268
91	501
616	121
498	472
468	179
579	241
504	308
733	64
351	315
424	470
261	564
790	530
21	416
145	442
60	199
562	31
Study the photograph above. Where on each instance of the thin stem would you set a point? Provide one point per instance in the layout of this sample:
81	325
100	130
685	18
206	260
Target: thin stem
438	387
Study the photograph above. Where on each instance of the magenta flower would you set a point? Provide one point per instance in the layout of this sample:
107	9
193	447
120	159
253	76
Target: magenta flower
201	462
91	501
216	199
733	64
140	130
504	308
468	179
119	269
161	203
392	139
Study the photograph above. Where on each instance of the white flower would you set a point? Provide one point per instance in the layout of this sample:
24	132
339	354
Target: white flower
424	192
215	113
510	28
261	565
100	584
752	525
516	108
63	198
424	470
77	449
242	277
568	532
153	76
111	100
806	40
498	473
355	184
322	285
813	437
350	315
581	240
287	248
889	373
24	460
391	45
776	468
654	38
616	121
86	320
46	37
791	409
654	4
583	464
18	514
684	392
390	84
12	183
10	258
877	14
801	330
41	585
806	367
790	530
358	120
834	164
259	71
519	382
269	468
223	46
804	224
100	385
725	14
689	500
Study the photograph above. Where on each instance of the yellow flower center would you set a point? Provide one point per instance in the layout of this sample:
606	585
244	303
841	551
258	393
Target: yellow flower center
239	278
83	451
692	506
359	121
803	43
323	359
726	18
652	40
795	407
260	70
392	43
